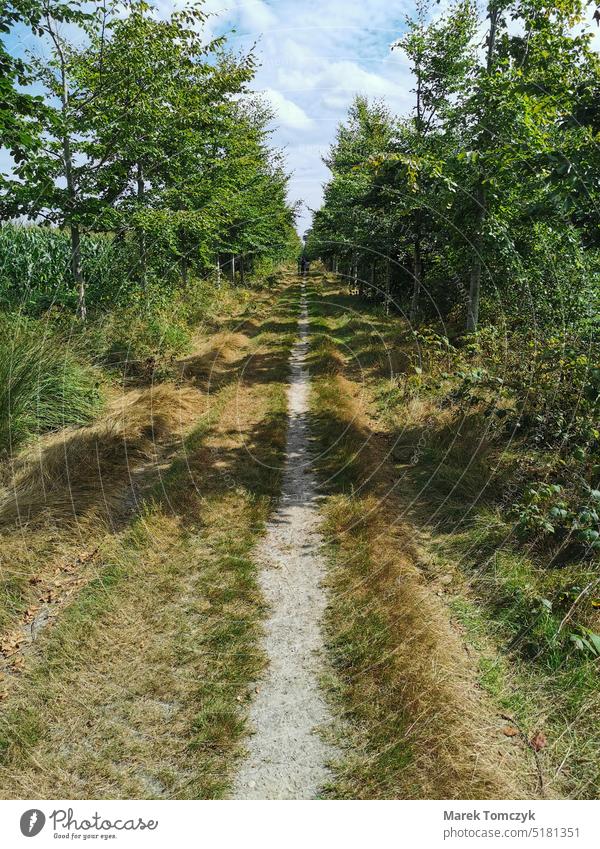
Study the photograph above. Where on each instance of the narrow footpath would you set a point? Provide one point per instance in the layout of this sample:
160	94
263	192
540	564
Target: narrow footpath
288	757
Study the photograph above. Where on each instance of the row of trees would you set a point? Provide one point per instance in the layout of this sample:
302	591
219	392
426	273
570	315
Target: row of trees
138	127
485	196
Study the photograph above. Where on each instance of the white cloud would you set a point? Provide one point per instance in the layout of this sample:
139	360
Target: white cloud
256	15
287	112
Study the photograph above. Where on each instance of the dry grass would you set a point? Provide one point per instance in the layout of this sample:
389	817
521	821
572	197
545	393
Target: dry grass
210	363
62	495
456	471
64	474
445	470
131	694
425	730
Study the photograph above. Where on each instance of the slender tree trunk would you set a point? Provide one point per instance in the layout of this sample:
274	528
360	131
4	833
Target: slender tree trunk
475	282
354	273
480	193
388	275
185	271
233	268
141	234
420	128
335	265
372	284
74	230
218	271
76	270
417	280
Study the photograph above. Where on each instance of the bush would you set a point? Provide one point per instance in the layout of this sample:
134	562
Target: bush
43	386
138	342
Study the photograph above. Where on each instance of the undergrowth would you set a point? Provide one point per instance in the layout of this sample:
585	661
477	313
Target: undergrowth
44	382
493	446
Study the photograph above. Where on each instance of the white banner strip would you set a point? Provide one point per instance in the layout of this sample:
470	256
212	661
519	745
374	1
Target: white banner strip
274	825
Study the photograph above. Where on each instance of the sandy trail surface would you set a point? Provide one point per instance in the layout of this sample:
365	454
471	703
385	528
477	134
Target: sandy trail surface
287	756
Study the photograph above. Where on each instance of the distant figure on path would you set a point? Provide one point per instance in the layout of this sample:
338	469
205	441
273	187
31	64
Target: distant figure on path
303	265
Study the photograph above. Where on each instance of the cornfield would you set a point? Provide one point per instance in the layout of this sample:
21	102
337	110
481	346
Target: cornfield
35	269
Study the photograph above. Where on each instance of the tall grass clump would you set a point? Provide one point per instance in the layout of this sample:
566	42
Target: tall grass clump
43	386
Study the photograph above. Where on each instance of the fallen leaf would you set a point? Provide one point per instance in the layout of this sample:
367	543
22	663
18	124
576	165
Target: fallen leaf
538	741
49	596
510	731
10	645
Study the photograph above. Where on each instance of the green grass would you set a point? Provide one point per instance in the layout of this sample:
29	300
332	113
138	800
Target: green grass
382	680
513	611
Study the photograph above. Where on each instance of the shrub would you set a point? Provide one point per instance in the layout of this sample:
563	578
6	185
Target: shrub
140	343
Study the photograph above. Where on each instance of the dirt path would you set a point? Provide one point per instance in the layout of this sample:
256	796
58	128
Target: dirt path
287	756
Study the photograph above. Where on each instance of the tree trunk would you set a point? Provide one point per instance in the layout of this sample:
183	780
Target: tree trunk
185	271
335	265
475	282
75	233
417	281
372	284
354	273
388	275
480	195
141	234
233	268
474	294
218	271
77	271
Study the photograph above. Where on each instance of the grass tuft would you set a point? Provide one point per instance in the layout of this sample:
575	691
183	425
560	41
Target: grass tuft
43	387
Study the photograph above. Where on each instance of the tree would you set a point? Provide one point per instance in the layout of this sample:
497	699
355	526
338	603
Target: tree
441	59
48	180
492	175
520	90
351	226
